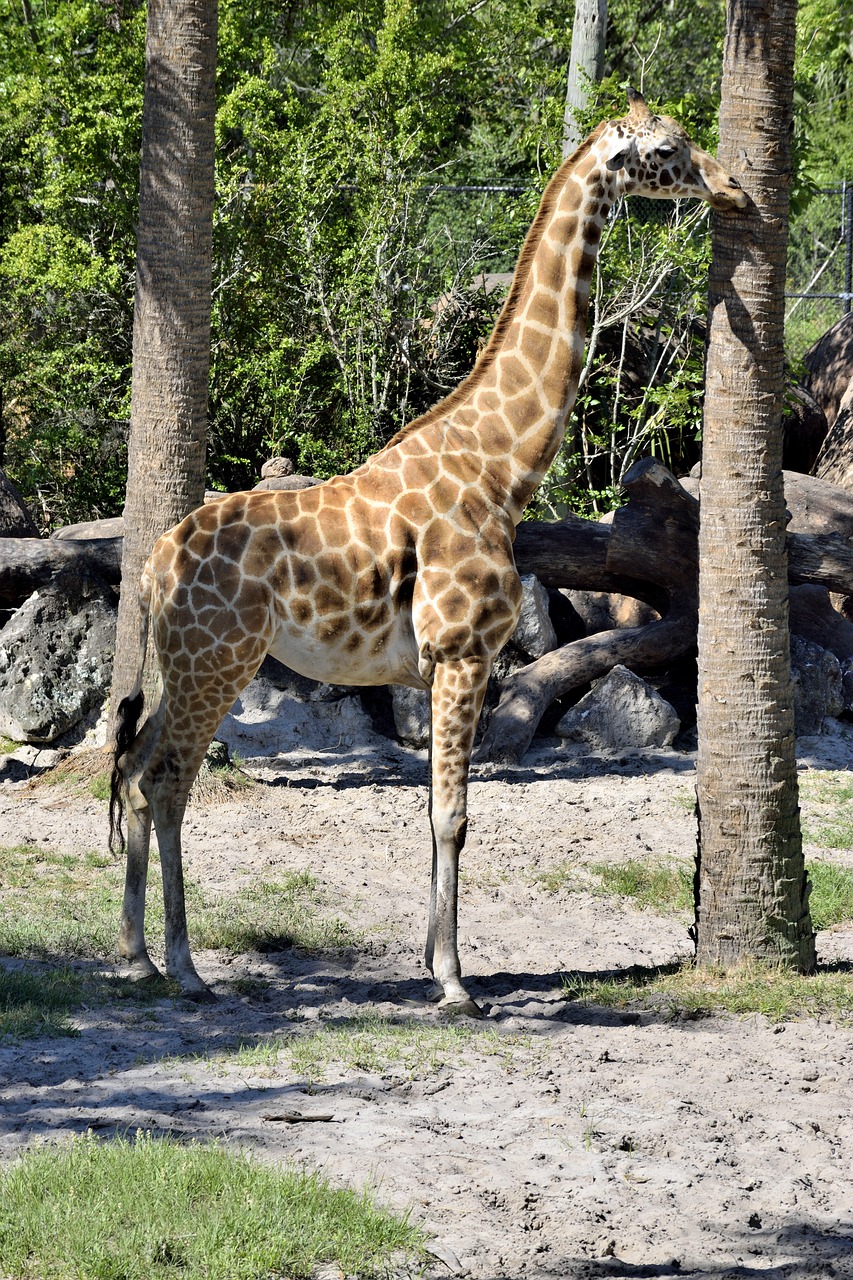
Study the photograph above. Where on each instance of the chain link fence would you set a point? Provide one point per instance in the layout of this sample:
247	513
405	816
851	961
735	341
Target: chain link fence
492	220
820	268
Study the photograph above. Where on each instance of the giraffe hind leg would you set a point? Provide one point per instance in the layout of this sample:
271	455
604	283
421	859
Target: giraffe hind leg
166	785
132	946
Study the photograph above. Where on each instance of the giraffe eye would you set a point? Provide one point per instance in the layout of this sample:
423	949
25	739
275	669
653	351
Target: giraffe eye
666	151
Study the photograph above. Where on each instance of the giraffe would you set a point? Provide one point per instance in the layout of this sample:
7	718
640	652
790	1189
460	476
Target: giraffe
400	572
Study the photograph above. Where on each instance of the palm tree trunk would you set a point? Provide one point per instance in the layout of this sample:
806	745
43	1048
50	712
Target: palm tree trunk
171	324
586	66
752	890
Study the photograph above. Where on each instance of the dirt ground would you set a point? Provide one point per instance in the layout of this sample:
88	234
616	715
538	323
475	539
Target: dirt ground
575	1142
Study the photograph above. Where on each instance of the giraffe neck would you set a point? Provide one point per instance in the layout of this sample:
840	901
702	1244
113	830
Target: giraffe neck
521	402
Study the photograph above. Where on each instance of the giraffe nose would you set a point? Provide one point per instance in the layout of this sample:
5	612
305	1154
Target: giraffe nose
733	182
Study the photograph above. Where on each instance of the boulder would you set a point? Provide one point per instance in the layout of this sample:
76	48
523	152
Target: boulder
621	712
56	658
818	689
411	715
535	634
15	519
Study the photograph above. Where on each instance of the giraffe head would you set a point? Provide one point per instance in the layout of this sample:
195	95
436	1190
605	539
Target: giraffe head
654	157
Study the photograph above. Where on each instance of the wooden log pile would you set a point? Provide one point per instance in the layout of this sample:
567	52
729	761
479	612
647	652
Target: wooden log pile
648	552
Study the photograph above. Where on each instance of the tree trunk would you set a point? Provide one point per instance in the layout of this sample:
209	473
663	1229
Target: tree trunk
586	65
171	325
752	891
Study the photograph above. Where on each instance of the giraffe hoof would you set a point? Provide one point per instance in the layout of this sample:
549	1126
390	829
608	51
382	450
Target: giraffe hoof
140	971
435	993
199	995
467	1008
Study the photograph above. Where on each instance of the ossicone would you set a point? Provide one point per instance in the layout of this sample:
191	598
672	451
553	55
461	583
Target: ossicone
637	108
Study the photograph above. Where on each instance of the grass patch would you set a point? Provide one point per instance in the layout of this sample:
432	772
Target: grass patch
685	799
54	903
661	886
219	779
831	899
668	887
38	1004
268	916
656	885
375	1044
678	990
150	1209
827	803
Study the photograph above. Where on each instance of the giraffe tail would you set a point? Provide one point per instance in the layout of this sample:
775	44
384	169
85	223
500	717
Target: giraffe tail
127	725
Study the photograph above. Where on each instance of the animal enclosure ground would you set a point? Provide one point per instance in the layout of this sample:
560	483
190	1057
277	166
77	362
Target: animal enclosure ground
555	1138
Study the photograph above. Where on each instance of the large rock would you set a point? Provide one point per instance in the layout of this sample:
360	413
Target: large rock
818	688
621	712
15	519
411	715
56	658
534	634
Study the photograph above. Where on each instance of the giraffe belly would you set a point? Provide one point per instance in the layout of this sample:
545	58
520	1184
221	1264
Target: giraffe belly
389	656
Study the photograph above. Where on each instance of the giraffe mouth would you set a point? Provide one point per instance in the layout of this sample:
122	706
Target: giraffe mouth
730	200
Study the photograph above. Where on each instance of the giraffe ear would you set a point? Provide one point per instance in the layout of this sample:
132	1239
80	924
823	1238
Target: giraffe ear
619	160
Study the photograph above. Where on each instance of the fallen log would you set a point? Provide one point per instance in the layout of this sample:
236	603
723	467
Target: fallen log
655	536
27	564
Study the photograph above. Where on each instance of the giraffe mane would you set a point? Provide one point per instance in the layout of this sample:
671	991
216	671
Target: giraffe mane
487	356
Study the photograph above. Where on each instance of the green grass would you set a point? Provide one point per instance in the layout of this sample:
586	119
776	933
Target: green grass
668	886
54	903
660	886
683	990
152	1209
35	1004
827	804
372	1043
831	899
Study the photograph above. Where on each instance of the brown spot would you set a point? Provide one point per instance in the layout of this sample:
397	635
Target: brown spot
444	495
326	600
261	553
546	311
453	603
261	510
572	195
415	508
537	347
308	539
302	611
354	642
332	630
304	575
665	178
231	540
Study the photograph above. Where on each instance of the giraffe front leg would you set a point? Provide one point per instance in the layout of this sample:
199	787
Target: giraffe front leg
457	696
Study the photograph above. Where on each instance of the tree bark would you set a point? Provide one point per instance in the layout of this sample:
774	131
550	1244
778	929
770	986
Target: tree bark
586	65
752	891
171	326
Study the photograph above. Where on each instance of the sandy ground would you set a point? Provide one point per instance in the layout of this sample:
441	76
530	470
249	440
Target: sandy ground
577	1142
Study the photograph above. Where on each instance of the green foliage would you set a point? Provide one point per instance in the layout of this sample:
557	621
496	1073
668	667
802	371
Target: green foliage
824	94
146	1208
344	276
71	92
641	387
